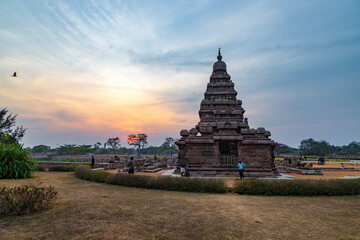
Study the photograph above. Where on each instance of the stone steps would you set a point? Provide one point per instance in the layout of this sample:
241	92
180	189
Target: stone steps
152	170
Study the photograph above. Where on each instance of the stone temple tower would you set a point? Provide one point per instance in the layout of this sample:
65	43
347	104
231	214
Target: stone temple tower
223	136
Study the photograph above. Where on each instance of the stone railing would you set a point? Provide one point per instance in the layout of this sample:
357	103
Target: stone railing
228	160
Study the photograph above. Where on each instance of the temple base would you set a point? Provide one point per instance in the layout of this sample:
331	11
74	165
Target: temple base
231	172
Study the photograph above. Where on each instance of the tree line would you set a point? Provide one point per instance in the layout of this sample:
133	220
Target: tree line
12	134
113	146
318	148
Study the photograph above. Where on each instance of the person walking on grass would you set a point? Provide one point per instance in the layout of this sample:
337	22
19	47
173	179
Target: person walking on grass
130	165
241	167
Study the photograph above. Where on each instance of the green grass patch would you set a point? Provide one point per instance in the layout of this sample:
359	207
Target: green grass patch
338	160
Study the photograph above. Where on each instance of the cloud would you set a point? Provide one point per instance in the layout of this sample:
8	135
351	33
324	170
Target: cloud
134	66
67	116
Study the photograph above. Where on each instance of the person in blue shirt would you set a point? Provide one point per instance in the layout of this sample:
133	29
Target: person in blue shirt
241	167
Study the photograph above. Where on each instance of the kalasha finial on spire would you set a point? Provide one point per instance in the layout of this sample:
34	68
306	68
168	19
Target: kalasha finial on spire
219	57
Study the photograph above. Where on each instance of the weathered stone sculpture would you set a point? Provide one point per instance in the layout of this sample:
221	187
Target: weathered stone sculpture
223	136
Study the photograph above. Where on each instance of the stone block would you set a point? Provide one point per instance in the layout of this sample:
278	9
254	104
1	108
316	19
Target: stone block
194	131
184	133
206	129
260	130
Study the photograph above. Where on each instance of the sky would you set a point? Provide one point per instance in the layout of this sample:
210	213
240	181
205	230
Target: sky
90	70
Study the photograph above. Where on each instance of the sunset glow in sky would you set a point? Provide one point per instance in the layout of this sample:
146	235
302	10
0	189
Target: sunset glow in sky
90	70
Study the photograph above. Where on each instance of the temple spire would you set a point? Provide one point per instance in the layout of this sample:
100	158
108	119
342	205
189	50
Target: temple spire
219	57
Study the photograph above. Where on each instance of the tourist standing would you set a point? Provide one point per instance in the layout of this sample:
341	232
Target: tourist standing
342	166
241	167
92	161
130	165
182	168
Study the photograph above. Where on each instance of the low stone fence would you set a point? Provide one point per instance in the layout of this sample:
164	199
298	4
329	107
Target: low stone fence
97	165
340	156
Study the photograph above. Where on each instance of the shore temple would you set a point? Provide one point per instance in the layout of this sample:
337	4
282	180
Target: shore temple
223	136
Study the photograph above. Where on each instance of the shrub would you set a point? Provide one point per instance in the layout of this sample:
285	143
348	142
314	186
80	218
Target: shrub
82	173
155	182
62	168
84	166
298	187
25	199
87	174
169	183
15	162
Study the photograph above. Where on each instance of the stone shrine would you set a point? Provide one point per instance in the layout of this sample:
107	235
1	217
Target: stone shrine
223	136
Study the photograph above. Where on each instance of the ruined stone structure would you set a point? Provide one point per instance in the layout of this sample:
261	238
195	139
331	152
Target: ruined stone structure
293	164
223	136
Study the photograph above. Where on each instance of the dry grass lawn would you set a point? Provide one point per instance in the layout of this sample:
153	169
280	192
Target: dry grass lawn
88	210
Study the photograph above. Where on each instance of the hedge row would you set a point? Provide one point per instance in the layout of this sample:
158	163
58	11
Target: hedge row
87	174
25	199
332	187
154	182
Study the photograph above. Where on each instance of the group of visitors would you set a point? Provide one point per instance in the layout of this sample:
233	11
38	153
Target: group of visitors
184	171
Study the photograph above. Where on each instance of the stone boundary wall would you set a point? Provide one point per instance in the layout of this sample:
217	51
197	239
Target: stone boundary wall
46	164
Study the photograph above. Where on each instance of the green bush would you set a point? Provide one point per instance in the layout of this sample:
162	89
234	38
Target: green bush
332	187
154	182
169	183
84	166
61	168
15	162
87	174
25	199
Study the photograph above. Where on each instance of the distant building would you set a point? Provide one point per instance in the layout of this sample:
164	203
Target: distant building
223	136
